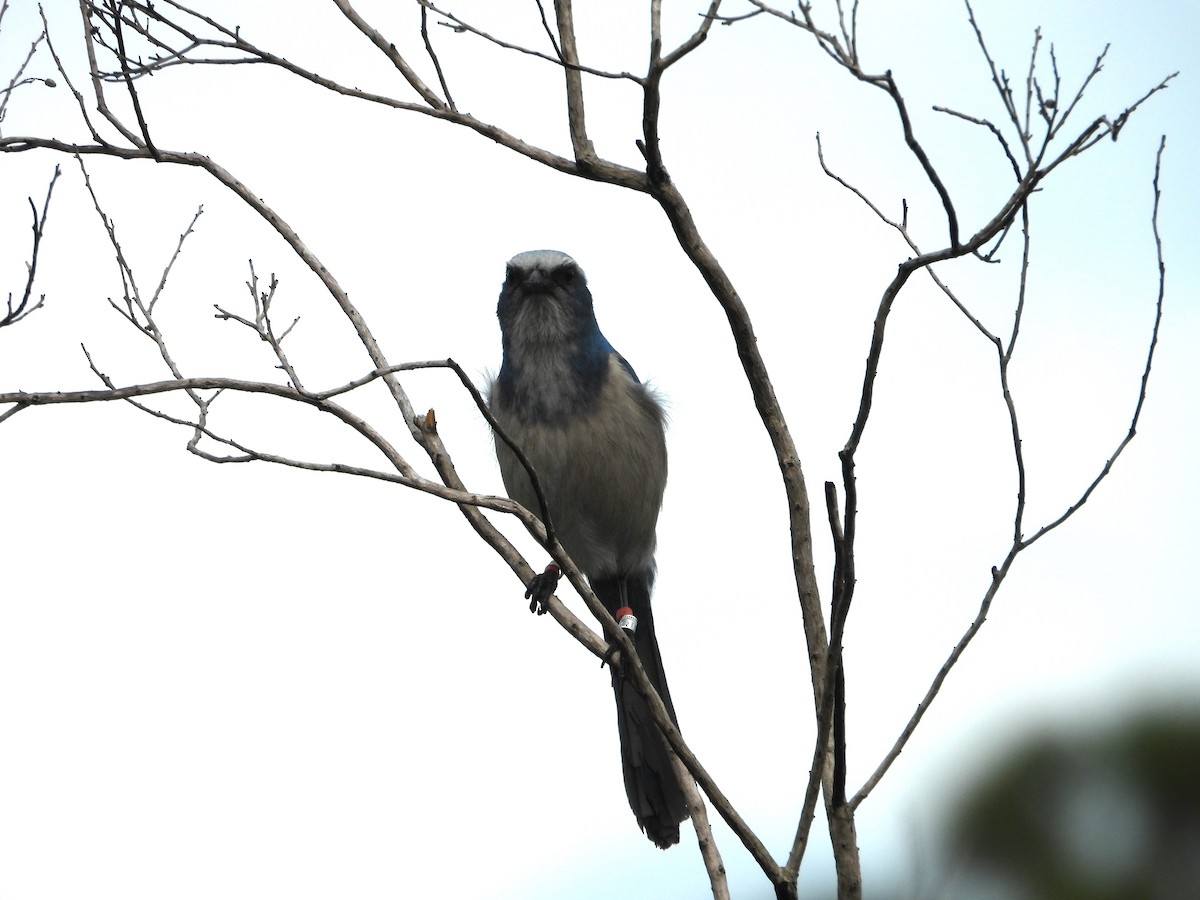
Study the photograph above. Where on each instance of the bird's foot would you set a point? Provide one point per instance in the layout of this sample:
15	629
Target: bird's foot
540	588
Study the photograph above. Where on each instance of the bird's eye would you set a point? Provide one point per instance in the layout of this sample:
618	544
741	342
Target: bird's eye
564	275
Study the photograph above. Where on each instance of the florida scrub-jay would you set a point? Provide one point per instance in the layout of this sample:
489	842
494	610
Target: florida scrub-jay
594	435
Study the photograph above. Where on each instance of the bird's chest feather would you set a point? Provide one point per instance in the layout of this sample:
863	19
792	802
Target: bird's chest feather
603	467
550	386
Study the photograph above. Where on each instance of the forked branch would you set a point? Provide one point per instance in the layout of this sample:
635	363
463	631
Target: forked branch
14	314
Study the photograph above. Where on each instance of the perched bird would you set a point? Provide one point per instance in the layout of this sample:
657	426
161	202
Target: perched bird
594	435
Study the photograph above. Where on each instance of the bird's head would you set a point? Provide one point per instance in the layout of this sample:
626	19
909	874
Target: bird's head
545	299
555	358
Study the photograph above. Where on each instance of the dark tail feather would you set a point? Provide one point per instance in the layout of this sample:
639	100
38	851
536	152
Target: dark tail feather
655	794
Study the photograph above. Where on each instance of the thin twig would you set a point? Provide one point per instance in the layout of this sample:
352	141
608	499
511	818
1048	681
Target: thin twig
22	309
1145	379
17	80
262	324
437	64
1019	543
460	25
123	61
429	103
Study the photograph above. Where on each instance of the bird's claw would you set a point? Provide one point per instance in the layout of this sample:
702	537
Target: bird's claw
608	654
540	587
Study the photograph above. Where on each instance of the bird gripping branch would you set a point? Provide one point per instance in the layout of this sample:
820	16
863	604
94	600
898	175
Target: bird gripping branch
595	436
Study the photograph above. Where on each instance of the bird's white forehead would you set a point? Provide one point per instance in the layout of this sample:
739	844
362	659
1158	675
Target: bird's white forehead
541	259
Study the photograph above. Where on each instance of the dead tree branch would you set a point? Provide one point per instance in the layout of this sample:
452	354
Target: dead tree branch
16	313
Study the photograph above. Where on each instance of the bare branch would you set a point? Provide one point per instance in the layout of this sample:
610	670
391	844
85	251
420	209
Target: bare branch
936	685
1000	81
733	20
75	92
993	129
541	7
437	64
678	213
388	49
232	41
459	24
585	153
1145	380
823	768
697	37
1020	543
1061	120
166	272
262	325
18	81
698	813
86	10
846	56
22	309
123	58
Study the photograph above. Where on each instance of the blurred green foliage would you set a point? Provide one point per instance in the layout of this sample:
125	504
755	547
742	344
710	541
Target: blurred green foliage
1098	816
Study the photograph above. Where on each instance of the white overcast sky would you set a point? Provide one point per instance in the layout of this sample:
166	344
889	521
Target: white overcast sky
242	681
